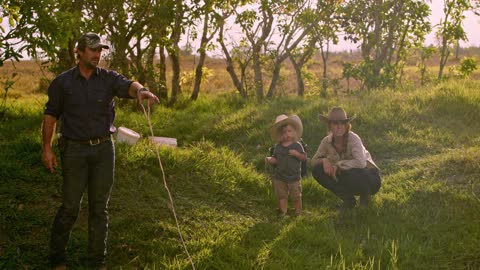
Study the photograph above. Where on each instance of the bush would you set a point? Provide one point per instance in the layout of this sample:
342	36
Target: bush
467	66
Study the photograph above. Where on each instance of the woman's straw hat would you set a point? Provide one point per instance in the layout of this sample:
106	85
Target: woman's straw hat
283	120
336	114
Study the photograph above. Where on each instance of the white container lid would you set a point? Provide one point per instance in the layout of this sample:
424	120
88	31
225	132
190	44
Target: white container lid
127	135
164	141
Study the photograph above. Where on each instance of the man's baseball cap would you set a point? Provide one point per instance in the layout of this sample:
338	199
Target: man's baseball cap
92	41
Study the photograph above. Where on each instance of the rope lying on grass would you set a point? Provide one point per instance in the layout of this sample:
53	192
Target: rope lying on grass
147	116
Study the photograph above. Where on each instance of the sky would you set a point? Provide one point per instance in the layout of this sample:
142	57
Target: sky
471	24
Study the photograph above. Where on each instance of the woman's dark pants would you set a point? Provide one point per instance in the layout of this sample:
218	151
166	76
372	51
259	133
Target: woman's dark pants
364	182
84	166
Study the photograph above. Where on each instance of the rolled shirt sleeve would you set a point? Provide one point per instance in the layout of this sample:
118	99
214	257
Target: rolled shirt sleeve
120	84
54	105
322	151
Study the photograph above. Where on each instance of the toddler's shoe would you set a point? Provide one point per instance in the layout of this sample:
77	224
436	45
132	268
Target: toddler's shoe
281	215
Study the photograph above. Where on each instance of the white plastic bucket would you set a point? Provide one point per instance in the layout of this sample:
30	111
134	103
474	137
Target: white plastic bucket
127	135
164	141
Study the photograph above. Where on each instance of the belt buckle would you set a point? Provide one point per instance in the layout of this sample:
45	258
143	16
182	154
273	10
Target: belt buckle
92	142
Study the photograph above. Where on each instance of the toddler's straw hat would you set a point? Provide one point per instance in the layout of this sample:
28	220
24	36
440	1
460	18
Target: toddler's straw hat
283	120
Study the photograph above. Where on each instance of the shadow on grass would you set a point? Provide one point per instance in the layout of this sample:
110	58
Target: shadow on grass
430	229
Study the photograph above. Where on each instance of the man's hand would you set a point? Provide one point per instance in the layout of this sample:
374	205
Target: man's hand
138	91
145	94
49	159
48	128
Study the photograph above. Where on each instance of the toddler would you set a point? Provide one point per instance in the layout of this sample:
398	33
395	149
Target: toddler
287	157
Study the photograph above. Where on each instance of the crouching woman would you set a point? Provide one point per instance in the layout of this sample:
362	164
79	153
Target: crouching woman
342	164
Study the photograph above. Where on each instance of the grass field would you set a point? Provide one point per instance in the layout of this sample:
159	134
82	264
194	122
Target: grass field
426	215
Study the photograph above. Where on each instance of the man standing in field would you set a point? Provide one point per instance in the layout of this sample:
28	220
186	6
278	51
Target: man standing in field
82	99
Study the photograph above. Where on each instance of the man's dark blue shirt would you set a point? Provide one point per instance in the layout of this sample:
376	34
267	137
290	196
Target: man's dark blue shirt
86	107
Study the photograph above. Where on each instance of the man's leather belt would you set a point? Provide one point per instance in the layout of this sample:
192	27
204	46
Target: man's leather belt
94	141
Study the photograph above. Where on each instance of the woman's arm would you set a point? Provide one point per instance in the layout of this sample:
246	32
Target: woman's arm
321	153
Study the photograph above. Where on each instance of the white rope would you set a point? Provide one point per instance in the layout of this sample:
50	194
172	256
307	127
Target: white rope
147	116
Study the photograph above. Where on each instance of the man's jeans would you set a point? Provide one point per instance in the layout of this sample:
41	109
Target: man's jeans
83	166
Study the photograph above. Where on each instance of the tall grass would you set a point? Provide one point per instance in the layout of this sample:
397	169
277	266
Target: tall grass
426	215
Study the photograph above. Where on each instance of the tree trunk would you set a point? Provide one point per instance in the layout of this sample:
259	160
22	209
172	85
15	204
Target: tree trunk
198	76
443	57
257	48
176	89
298	65
153	86
457	50
378	38
162	74
289	47
324	54
298	74
275	77
445	51
174	51
119	59
229	62
66	59
203	50
139	71
258	78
